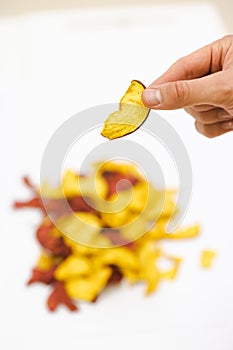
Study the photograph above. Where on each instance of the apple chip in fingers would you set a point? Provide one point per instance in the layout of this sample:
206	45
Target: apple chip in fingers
130	116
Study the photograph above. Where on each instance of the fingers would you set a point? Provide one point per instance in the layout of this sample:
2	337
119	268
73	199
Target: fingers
203	107
213	130
212	89
208	59
211	121
191	66
202	84
211	116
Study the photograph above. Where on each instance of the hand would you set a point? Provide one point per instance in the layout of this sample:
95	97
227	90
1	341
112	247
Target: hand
202	83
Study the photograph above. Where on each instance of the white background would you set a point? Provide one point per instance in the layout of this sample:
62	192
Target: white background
53	66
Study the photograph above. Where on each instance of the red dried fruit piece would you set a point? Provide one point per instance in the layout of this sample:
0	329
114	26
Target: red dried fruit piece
113	178
54	244
45	277
116	275
54	207
57	207
28	183
32	203
115	236
58	297
80	203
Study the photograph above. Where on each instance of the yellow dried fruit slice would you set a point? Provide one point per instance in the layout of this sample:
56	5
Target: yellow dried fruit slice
73	266
80	226
130	116
125	168
207	257
88	288
47	261
120	256
189	232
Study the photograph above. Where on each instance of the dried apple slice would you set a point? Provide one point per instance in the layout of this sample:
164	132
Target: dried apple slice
131	114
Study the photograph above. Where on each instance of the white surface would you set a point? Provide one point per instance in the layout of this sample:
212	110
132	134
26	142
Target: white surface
51	67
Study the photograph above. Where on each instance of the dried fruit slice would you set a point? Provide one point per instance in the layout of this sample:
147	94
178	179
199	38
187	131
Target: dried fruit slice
132	113
207	257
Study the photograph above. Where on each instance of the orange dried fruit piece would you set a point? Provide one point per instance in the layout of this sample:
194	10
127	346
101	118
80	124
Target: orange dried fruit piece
131	114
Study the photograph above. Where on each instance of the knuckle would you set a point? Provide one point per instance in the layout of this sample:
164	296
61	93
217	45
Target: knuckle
228	38
226	97
230	111
209	135
203	107
198	127
189	110
188	71
184	62
200	117
222	95
203	118
204	130
181	91
208	131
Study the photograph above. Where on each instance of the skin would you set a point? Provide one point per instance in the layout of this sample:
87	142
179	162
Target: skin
202	84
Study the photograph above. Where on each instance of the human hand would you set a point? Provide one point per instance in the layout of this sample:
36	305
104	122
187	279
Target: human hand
202	83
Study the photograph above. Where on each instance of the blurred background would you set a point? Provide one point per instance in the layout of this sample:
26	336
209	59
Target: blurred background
58	58
14	7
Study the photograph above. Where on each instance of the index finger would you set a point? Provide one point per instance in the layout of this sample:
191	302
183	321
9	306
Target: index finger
201	62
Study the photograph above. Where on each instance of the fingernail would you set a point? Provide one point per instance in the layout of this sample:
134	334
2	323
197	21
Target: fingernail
224	115
227	125
152	97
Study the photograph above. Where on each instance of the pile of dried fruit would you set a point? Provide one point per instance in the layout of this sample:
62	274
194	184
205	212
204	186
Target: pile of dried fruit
111	246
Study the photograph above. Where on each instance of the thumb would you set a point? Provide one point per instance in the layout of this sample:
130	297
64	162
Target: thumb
184	93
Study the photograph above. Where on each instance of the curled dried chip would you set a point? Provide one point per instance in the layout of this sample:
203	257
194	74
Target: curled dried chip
131	114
